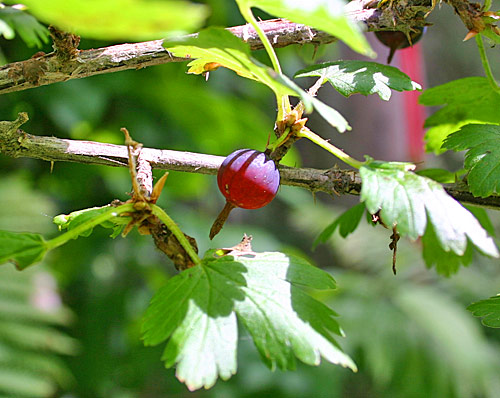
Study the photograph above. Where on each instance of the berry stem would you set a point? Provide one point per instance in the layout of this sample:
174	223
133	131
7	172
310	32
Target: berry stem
306	133
283	100
221	219
486	64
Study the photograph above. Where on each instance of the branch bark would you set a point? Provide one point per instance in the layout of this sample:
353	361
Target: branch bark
72	63
52	68
16	143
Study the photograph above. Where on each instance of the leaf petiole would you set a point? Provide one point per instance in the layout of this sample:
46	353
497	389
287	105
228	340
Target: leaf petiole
306	133
283	100
174	228
486	64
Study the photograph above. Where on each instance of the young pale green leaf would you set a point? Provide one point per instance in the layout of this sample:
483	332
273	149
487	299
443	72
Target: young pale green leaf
32	32
325	15
121	19
411	202
489	310
347	223
482	159
363	77
464	101
23	249
196	312
215	47
79	217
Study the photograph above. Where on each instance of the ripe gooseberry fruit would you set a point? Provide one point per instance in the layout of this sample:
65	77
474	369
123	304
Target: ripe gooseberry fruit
248	179
396	40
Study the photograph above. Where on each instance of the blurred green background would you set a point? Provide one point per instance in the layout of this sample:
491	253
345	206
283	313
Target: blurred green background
70	327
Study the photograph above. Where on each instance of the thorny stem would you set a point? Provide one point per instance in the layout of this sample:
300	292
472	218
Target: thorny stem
75	232
486	64
172	226
283	100
306	133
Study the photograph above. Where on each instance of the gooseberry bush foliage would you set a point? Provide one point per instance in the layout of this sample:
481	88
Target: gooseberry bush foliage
197	313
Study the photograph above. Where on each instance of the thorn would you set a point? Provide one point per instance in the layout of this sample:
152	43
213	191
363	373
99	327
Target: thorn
391	54
491	14
158	187
470	35
315	52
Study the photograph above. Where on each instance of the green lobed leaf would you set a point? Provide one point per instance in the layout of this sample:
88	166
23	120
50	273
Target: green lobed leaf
412	202
482	160
489	310
32	32
23	249
483	218
346	223
217	46
196	312
325	15
363	77
441	175
447	263
120	19
464	101
200	323
79	217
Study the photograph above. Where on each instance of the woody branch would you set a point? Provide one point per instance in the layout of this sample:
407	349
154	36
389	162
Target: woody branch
14	142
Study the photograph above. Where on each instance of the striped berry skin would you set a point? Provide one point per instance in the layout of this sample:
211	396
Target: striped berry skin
248	179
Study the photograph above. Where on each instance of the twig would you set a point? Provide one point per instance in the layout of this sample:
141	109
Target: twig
17	143
486	64
51	68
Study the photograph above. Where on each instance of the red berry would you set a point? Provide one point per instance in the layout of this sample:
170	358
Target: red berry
248	179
